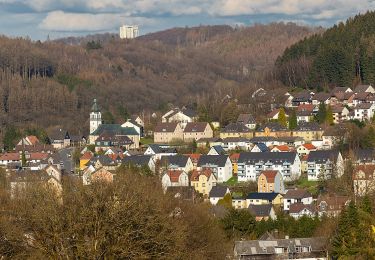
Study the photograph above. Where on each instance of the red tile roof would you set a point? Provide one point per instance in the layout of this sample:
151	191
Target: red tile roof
305	107
367	169
270	175
283	148
195	174
10	157
234	157
194	156
273	113
309	147
33	139
174	175
86	156
38	156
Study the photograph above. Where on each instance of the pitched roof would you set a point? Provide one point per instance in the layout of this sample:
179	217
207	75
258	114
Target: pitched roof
298	207
38	156
275	158
321	96
195	174
262	196
365	155
116	129
215	160
308	126
305	107
309	146
166	127
174	175
95	107
59	134
236	128
218	191
270	175
103	159
273	113
297	194
334	202
234	157
260	210
262	147
361	88
340	89
235	139
209	139
219	149
363	106
139	160
32	139
194	156
195	127
367	169
245	119
282	148
162	149
10	157
362	96
273	126
321	156
174	160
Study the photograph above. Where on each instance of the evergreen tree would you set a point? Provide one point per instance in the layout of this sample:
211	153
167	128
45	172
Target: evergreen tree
293	120
322	113
282	117
11	135
329	116
366	204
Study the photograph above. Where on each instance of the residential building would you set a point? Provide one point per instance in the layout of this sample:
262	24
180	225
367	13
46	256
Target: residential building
296	248
194	157
174	178
302	97
340	114
84	159
103	161
364	111
364	88
271	181
220	165
109	139
323	164
250	165
116	134
138	127
209	142
298	210
236	143
333	136
157	151
305	149
259	148
101	174
272	129
217	150
129	31
196	131
322	97
280	149
345	98
234	159
332	205
59	138
168	132
217	193
297	196
30	140
364	179
182	116
247	120
255	198
262	212
362	97
140	161
236	130
203	181
176	162
364	156
308	131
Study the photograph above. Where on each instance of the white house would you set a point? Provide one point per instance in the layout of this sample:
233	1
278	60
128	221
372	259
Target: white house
180	116
250	165
177	162
135	125
364	111
232	143
175	178
247	120
220	165
157	151
297	196
298	210
305	149
324	163
217	192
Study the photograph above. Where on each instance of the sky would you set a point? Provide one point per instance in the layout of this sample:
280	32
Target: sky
38	19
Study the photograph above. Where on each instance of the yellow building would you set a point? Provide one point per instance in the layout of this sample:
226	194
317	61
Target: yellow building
85	158
271	181
272	130
308	131
234	159
236	130
203	181
256	198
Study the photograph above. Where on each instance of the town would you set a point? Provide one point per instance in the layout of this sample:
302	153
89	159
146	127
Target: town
280	165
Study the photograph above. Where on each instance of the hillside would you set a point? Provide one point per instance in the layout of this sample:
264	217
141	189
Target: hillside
342	56
53	83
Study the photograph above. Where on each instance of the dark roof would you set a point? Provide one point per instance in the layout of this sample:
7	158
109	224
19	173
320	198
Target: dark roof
262	147
262	196
116	129
298	207
321	96
308	126
297	194
361	88
362	96
95	107
303	96
364	106
273	126
162	149
340	89
321	156
138	160
235	139
236	128
218	160
275	158
245	119
219	149
195	127
218	191
103	159
166	127
209	139
364	155
260	210
59	134
175	160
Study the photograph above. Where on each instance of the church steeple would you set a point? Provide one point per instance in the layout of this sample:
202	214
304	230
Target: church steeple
95	117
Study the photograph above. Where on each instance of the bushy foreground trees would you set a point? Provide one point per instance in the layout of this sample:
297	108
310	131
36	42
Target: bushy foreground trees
130	218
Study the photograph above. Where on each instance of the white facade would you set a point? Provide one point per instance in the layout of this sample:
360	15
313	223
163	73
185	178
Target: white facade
288	202
129	31
183	181
327	168
362	113
95	118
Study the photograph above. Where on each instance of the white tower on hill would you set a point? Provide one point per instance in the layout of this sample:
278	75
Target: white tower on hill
95	117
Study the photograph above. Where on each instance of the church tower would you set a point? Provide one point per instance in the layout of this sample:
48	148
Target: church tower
95	117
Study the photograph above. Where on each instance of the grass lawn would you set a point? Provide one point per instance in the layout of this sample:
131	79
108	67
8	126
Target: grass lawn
232	181
147	140
311	186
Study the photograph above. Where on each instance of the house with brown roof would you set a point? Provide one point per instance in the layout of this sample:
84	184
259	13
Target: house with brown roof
340	113
174	178
324	98
331	205
203	181
305	112
364	179
236	130
345	98
297	196
196	131
361	97
247	120
298	210
28	140
10	159
364	111
280	148
168	132
364	88
271	181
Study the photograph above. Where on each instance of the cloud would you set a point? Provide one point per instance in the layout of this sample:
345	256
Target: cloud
80	22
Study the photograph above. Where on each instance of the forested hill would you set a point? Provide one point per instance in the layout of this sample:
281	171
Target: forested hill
342	56
53	83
